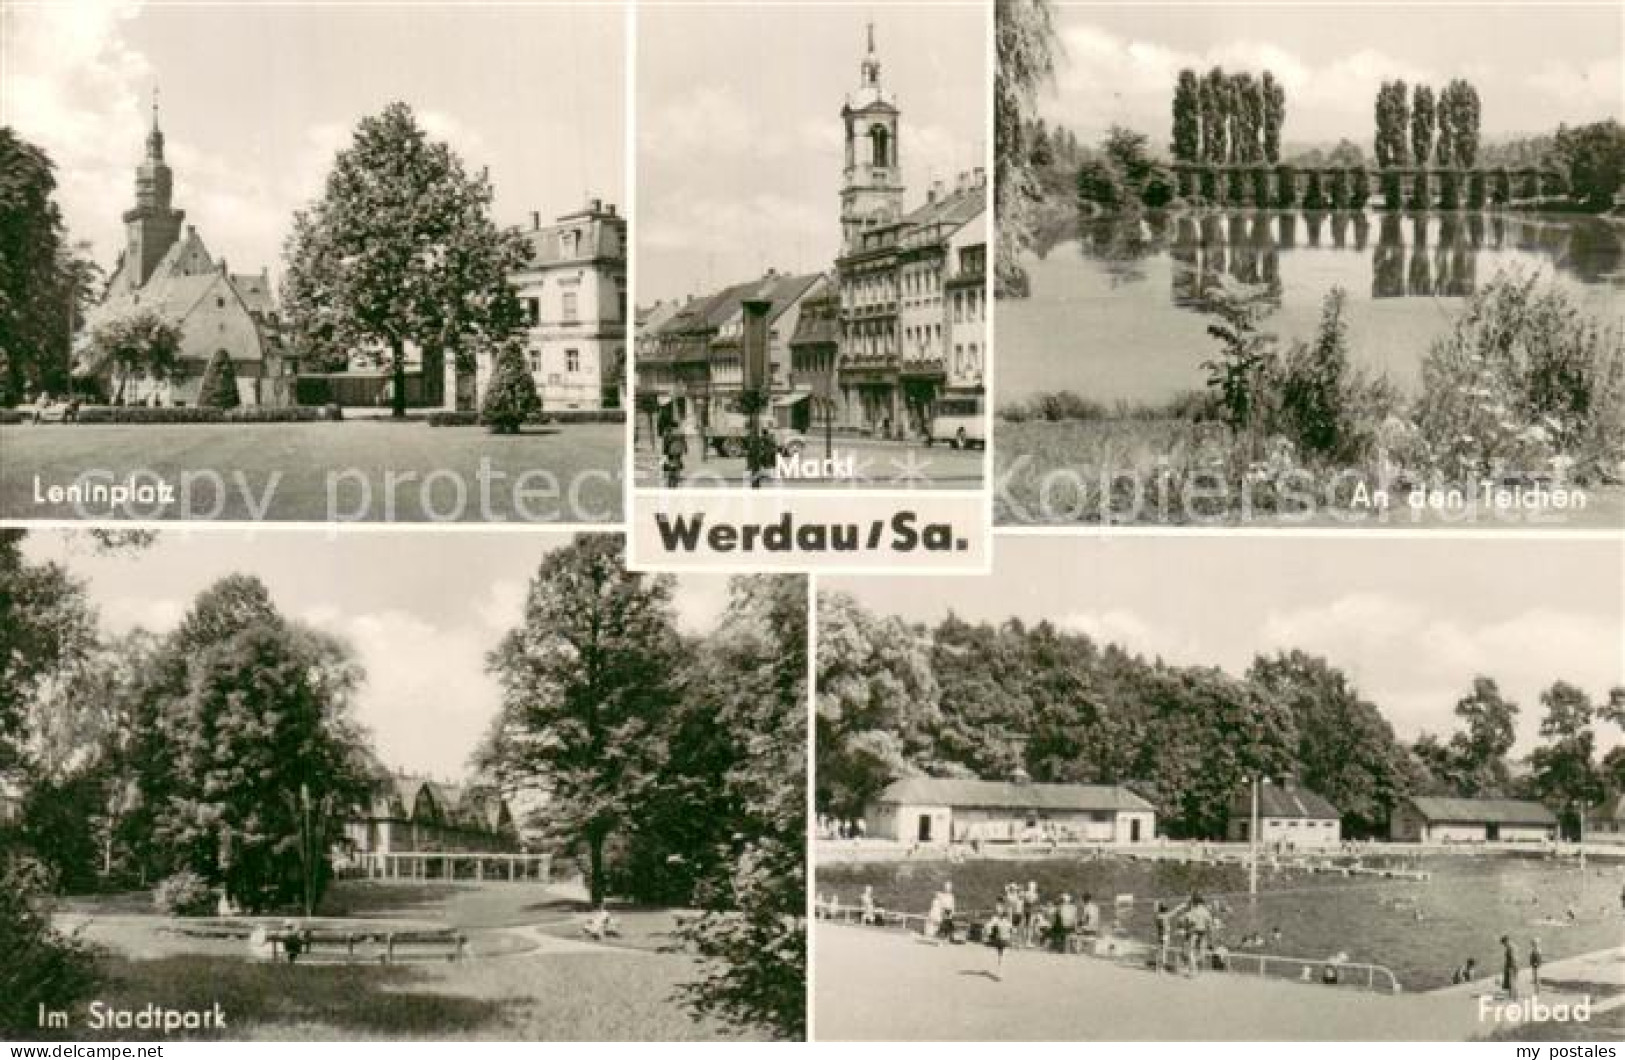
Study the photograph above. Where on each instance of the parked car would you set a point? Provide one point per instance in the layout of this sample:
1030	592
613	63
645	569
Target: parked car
728	429
960	422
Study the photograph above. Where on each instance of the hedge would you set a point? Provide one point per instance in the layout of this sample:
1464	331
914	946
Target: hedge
193	414
448	418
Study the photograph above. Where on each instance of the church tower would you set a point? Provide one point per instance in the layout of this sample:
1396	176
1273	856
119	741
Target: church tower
153	225
872	191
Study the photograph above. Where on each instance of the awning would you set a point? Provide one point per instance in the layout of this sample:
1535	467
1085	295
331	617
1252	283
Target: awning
789	399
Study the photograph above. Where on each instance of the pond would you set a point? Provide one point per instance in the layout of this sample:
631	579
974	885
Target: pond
1421	931
1114	308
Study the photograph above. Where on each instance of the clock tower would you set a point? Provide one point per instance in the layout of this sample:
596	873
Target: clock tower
872	185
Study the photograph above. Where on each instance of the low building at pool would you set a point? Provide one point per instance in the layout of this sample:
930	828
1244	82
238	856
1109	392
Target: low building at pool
417	815
942	810
1433	819
1605	823
1288	815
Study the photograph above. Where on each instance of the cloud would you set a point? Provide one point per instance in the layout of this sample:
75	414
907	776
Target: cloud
1580	91
1109	78
427	699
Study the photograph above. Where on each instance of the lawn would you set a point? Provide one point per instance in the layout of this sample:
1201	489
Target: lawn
362	470
1173	472
533	977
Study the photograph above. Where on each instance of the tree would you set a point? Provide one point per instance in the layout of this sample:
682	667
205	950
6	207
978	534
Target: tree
1217	104
140	345
253	719
47	631
1346	750
1392	145
586	686
218	390
1459	119
1424	121
1564	770
1026	46
43	968
1593	159
750	682
401	249
1187	138
1274	117
1481	751
877	697
45	285
510	396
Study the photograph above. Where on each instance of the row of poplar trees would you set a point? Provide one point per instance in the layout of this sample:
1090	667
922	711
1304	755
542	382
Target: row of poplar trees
1228	119
1415	127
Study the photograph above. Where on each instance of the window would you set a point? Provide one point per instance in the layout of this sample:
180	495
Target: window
570	306
572	360
533	311
535	359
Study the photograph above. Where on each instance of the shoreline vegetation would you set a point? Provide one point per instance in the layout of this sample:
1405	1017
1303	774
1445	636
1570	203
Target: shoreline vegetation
1524	395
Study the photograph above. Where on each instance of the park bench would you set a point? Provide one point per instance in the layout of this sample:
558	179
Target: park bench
387	947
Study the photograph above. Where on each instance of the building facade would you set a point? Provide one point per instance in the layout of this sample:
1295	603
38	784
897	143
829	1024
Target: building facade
912	283
416	815
1289	816
573	292
1427	819
944	810
166	269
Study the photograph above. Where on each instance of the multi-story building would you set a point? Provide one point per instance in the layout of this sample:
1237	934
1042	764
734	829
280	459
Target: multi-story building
166	269
573	290
903	276
691	355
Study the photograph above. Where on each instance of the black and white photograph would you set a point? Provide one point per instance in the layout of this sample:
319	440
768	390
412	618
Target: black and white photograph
1313	264
314	263
1225	788
397	785
812	230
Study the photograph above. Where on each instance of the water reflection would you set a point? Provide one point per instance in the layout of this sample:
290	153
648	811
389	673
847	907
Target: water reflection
1412	255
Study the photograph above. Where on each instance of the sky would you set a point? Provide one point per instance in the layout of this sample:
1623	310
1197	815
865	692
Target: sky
740	136
1534	64
256	99
1411	621
420	608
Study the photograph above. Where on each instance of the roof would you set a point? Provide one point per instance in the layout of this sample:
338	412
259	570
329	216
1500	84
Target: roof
1611	809
1490	811
996	794
254	288
600	236
454	806
1285	800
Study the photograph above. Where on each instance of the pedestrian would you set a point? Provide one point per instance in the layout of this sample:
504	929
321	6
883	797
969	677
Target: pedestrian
998	934
946	903
1535	959
673	450
1198	932
1466	973
1509	968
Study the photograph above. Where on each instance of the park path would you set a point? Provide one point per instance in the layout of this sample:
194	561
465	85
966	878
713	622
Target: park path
874	985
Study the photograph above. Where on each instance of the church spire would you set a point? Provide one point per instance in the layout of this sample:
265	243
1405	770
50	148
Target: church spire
871	62
155	138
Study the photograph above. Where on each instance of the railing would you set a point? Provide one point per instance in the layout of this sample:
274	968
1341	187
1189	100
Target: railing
1354	974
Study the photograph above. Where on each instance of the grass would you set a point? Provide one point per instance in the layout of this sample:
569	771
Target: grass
1172	471
372	470
625	992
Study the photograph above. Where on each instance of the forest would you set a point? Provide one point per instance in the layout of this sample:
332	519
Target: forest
981	700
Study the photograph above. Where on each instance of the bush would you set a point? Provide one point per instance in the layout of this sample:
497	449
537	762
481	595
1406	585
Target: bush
15	416
184	894
511	397
291	414
450	418
1359	187
1524	377
1319	402
42	967
586	416
1393	190
251	414
1286	186
218	390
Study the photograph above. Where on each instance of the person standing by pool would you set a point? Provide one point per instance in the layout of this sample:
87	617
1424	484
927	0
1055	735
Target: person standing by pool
944	903
1509	968
998	934
1166	917
866	905
1198	932
1535	959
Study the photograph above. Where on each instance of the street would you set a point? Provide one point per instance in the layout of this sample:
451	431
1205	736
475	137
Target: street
864	463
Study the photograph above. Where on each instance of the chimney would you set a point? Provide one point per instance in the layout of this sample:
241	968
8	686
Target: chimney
610	209
595	205
959	182
535	220
936	190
